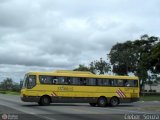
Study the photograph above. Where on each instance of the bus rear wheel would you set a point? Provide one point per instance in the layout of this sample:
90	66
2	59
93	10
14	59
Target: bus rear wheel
102	102
93	104
44	101
114	101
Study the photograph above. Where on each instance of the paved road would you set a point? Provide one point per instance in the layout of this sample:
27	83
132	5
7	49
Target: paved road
15	108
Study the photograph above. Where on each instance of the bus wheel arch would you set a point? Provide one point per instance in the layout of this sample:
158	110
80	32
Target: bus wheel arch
102	101
114	101
45	100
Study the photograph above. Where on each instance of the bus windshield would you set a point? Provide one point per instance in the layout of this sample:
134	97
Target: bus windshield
29	81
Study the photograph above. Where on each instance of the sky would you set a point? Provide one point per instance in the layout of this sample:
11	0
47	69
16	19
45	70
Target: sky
48	35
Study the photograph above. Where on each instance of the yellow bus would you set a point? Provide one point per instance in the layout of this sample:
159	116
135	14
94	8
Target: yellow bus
79	87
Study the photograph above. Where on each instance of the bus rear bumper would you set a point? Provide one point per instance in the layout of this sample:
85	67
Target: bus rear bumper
30	99
129	100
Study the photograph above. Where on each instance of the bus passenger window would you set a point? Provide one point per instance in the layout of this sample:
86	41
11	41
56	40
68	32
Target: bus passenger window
62	80
106	82
111	82
99	82
74	81
91	81
126	83
120	83
45	79
132	83
135	83
42	79
82	81
55	81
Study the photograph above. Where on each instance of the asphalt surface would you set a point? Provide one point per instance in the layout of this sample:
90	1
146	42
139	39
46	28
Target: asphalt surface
12	107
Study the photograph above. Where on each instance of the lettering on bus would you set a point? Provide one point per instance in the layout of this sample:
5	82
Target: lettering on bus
65	88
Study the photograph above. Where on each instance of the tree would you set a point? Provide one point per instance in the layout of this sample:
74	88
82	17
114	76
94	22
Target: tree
99	65
121	58
7	84
82	68
155	58
133	56
95	66
16	87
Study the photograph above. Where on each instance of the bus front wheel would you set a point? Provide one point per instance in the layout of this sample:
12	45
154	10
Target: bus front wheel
114	101
102	102
44	101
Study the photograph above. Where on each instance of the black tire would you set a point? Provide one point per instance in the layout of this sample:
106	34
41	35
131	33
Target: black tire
93	104
114	101
102	102
44	101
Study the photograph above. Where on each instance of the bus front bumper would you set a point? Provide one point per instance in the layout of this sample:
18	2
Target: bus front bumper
30	98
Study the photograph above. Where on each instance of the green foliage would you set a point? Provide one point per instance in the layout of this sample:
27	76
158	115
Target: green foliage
135	56
101	66
98	65
8	85
82	68
155	58
150	98
138	56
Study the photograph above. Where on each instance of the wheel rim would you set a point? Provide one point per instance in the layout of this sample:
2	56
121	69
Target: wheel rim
45	100
114	101
102	102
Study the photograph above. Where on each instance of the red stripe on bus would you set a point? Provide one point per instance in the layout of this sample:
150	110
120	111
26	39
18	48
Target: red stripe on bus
53	94
119	93
122	93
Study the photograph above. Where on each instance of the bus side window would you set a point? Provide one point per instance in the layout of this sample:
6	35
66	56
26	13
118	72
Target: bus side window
68	80
82	81
99	82
111	82
46	79
42	79
132	83
127	83
106	82
91	81
74	81
54	80
49	79
62	80
120	83
135	83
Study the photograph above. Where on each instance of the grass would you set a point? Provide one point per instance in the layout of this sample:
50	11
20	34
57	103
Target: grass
150	98
9	92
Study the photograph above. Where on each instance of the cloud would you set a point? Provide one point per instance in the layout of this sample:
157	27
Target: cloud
62	34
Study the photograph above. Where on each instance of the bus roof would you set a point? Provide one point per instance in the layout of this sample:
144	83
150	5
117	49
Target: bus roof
70	73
